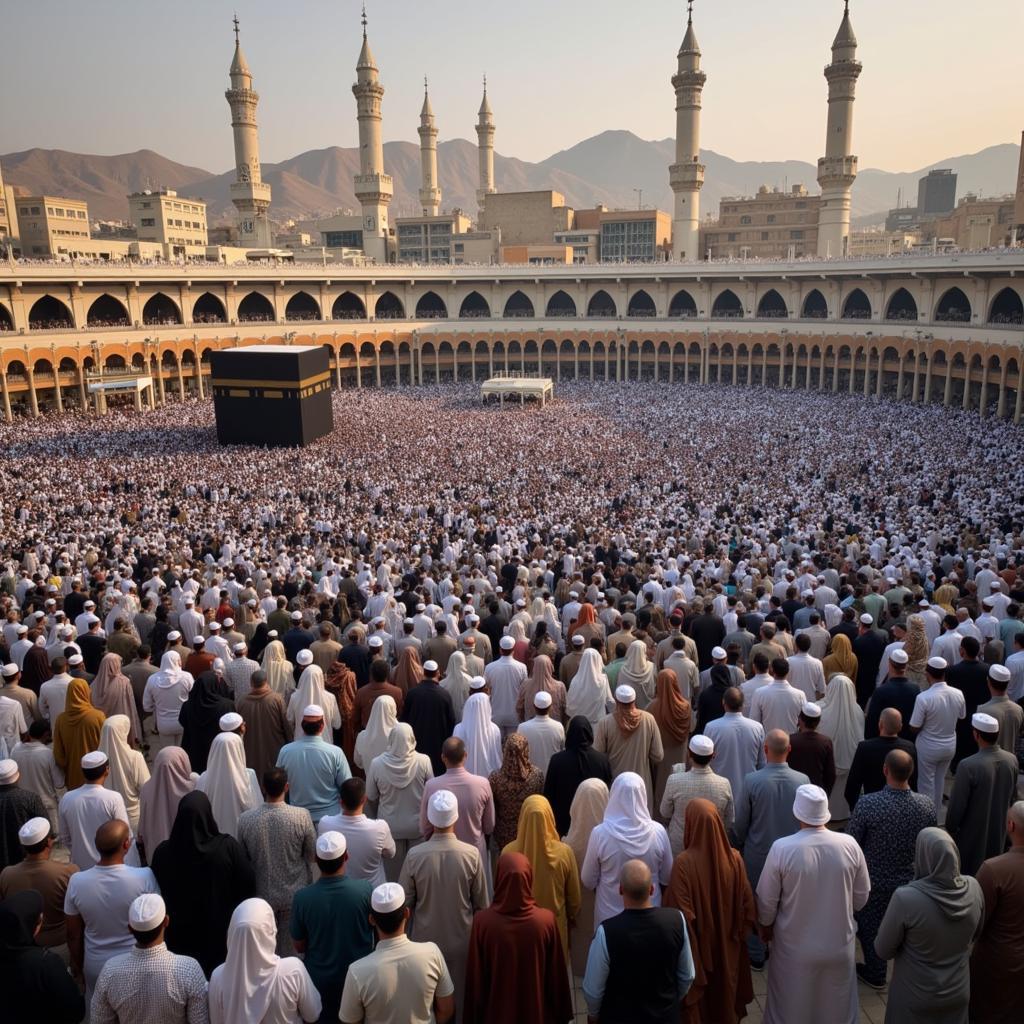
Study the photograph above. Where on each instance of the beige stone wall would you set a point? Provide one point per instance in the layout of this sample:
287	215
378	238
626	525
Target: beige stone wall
763	226
526	218
49	225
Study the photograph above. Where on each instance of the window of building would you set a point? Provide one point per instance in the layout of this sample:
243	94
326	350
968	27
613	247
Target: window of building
81	214
801	205
796	234
732	236
148	222
147	206
745	220
343	239
765	236
53	212
771	218
35	210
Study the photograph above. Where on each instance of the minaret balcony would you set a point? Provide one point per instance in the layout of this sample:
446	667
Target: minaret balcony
837	170
686	177
257	191
374	187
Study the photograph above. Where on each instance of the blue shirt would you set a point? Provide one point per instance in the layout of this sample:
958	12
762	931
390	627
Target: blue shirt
316	769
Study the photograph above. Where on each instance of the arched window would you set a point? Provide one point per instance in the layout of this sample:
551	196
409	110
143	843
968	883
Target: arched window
474	306
815	307
641	305
856	306
727	305
1007	308
682	305
159	309
348	306
208	309
302	306
772	306
107	311
518	305
560	305
901	306
601	305
48	314
431	307
255	307
389	307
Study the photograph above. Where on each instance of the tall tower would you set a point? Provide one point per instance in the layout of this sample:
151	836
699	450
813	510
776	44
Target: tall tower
485	148
249	193
837	169
686	175
373	187
430	194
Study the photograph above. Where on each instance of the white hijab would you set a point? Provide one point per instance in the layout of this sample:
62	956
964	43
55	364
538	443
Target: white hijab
456	682
397	764
128	771
626	818
170	670
245	986
230	786
279	670
373	740
589	692
481	736
842	720
312	691
638	672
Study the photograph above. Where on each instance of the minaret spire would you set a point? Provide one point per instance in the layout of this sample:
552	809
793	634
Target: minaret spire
686	175
430	194
837	169
249	193
485	149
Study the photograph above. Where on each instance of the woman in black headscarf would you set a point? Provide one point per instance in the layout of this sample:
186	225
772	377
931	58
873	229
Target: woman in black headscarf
36	669
203	875
711	702
200	717
259	641
35	983
569	767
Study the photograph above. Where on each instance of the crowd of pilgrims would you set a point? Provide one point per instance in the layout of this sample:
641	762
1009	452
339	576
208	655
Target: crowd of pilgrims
651	688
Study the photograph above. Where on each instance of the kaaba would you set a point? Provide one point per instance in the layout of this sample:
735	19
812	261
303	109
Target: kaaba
276	396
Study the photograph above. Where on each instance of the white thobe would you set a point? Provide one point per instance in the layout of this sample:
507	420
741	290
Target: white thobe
545	737
947	646
936	712
739	749
777	706
806	674
82	811
505	677
191	624
811	884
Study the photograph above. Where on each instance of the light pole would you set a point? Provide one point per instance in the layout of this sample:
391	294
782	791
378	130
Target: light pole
639	198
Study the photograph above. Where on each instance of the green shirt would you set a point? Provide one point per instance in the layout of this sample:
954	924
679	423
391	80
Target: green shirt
612	672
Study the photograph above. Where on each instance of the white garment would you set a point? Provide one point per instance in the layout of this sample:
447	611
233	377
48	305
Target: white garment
481	736
166	692
811	884
842	720
456	682
947	646
590	693
545	737
12	725
53	695
128	771
936	712
312	691
369	842
231	787
373	740
40	775
739	749
81	813
806	673
190	624
505	677
396	780
750	686
1015	663
777	706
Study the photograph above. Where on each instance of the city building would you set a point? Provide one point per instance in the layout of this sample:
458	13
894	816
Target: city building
52	225
977	223
165	217
625	236
8	213
526	218
868	244
584	242
428	239
936	193
1018	215
770	225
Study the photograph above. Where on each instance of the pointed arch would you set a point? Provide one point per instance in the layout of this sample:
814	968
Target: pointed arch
901	306
560	305
772	306
815	307
518	305
954	307
474	306
106	311
682	305
601	304
255	306
49	314
6	320
389	307
431	307
208	309
161	309
856	306
641	305
727	304
1007	308
348	306
302	306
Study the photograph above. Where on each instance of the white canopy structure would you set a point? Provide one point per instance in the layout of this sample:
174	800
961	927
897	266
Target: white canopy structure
514	385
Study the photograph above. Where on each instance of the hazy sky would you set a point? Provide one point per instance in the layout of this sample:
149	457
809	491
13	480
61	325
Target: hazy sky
112	76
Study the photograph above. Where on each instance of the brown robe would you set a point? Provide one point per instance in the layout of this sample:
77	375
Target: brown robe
266	728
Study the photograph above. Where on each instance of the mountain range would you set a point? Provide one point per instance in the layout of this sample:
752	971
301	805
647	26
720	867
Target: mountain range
608	168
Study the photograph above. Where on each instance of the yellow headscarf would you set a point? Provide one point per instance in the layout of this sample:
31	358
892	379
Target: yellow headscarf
842	661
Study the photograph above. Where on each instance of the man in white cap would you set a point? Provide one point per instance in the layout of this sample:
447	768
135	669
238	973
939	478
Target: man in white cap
53	693
738	740
17	805
937	709
811	751
369	840
280	842
316	769
806	672
330	922
631	739
97	904
984	789
239	671
505	677
149	982
570	663
811	885
400	982
190	623
896	692
216	644
545	735
699	783
777	705
83	810
12	689
445	884
1006	712
47	876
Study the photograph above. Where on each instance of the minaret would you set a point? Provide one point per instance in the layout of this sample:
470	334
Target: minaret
430	194
485	147
686	175
373	187
248	191
837	169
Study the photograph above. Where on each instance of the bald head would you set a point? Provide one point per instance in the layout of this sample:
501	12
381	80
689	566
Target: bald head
890	722
899	766
776	746
635	882
111	837
1016	819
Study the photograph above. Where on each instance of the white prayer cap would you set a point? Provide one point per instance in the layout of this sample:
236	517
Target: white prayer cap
520	603
810	710
174	636
924	603
719	653
312	711
702	746
218	665
296	616
272	634
421	607
1000	673
430	666
408	622
89	604
442	809
807	593
578	639
35	830
625	694
75	659
230	722
473	619
938	664
867	620
507	643
477	683
542	699
378	620
811	805
189	602
988	602
198	640
215	626
8	771
147	912
984	723
899	657
228	623
331	846
94	759
239	648
10	670
375	641
251	603
304	657
387	898
22	630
